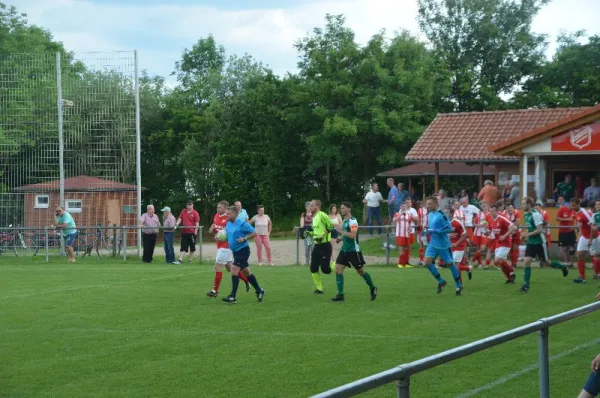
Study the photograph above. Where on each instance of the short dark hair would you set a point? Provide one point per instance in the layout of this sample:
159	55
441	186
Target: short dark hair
260	207
432	198
317	202
529	201
576	201
224	203
494	206
189	202
347	205
332	206
233	209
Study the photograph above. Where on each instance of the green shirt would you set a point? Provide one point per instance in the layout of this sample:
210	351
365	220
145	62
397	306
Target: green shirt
70	228
566	190
595	219
349	244
532	220
322	227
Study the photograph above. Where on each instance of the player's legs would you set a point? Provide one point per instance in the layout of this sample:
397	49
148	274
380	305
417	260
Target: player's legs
527	270
545	260
431	254
500	257
592	386
514	254
316	258
340	264
582	251
240	263
192	247
184	246
446	256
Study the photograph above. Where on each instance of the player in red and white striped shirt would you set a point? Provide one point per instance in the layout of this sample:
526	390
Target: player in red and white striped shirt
479	233
404	234
514	217
458	241
422	226
584	221
503	230
457	213
546	219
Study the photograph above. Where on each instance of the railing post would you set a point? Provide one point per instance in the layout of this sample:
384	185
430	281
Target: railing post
200	245
114	240
124	243
297	245
387	245
403	387
47	236
544	363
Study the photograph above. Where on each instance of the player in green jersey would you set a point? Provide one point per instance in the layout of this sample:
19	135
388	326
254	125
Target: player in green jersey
536	243
350	255
321	235
595	242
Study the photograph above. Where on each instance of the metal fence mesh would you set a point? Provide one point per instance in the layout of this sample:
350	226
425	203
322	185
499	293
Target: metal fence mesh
93	94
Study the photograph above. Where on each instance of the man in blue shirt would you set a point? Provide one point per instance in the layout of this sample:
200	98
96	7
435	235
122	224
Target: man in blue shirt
242	213
393	199
439	227
402	193
238	233
65	222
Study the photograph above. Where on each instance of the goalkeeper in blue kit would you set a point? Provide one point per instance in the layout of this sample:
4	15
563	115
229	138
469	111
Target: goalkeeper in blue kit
439	244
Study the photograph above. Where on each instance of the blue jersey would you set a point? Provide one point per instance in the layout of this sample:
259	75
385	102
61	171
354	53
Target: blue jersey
235	230
438	220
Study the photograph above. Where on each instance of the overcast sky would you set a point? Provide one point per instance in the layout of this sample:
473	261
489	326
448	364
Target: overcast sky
266	29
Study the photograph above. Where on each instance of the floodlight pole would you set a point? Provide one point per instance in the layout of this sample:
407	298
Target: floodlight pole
61	141
138	151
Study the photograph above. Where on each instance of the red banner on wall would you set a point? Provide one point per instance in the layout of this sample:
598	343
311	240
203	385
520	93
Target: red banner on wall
581	139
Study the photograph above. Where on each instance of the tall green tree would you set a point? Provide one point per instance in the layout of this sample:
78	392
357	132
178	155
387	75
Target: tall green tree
571	78
487	45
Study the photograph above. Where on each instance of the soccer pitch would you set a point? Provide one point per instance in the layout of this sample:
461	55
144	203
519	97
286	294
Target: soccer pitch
106	328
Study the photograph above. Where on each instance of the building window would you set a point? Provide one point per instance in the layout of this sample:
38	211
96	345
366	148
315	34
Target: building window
73	205
42	201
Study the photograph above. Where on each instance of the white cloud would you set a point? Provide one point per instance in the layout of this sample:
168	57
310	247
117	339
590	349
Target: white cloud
160	32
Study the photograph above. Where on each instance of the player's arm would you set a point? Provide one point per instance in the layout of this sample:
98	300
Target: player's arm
539	227
396	217
248	231
353	230
511	230
462	238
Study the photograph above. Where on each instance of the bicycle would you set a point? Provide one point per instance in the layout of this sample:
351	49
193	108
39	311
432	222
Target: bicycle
13	241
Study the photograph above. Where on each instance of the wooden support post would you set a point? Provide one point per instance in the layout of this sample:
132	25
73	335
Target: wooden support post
436	181
481	174
410	186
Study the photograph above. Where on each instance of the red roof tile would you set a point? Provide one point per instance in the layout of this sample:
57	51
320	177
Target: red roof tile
583	112
79	184
426	169
468	136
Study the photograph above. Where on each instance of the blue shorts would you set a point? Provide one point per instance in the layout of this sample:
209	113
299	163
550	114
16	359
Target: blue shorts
444	254
70	239
240	257
592	385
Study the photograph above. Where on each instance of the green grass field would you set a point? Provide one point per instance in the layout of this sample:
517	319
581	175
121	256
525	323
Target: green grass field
106	328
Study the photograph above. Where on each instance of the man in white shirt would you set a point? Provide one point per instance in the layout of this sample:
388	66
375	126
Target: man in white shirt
373	200
469	211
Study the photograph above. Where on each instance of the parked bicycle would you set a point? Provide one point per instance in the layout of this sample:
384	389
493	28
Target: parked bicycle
13	241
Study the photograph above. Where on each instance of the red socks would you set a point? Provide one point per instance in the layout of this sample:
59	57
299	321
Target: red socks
507	270
477	257
217	282
243	277
487	262
404	256
581	266
514	256
462	267
596	263
421	254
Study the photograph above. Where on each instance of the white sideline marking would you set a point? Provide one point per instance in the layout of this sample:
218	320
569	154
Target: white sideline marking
236	333
67	289
525	370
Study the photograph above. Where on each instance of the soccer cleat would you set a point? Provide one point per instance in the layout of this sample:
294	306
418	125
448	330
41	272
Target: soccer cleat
247	287
441	286
579	280
176	262
458	291
229	299
260	264
565	271
373	293
212	293
523	289
338	297
470	273
260	295
408	266
317	291
400	266
512	280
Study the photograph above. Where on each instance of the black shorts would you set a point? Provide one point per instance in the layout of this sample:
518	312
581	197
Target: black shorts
240	257
321	257
188	241
537	250
351	259
567	239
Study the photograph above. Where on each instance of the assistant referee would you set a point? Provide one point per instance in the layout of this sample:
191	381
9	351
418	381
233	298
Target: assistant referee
321	254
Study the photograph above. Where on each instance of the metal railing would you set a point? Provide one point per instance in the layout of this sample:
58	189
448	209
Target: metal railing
401	374
103	241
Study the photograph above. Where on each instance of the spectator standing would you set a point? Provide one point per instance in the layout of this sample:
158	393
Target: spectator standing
242	213
373	200
489	193
443	200
336	219
305	225
188	218
169	235
513	198
402	193
506	192
262	227
592	193
393	199
579	187
149	223
566	188
65	223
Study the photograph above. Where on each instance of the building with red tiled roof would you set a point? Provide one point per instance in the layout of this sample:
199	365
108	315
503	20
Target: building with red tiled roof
90	200
469	137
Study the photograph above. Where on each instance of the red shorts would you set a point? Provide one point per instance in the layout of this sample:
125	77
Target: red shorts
479	241
403	241
516	239
469	233
549	240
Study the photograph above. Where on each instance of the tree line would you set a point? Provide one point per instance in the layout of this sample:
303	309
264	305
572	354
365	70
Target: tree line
233	129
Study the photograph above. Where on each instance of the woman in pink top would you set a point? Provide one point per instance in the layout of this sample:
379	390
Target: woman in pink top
262	225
